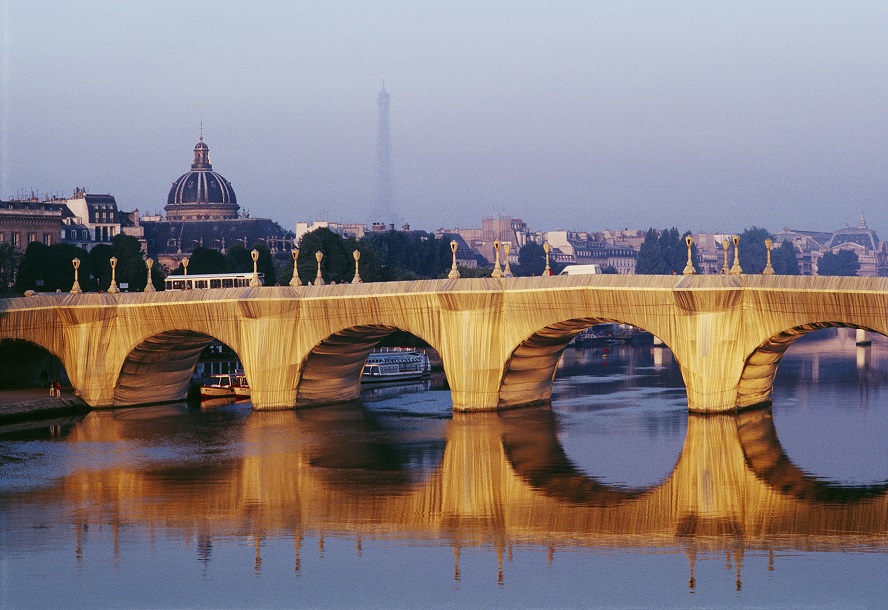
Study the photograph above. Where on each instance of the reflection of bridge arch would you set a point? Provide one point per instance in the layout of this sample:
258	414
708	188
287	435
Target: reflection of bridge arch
531	446
473	496
765	457
331	371
530	367
757	380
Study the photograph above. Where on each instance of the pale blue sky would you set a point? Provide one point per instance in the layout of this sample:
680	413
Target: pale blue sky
710	116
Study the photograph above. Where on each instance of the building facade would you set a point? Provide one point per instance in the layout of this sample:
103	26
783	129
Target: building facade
24	221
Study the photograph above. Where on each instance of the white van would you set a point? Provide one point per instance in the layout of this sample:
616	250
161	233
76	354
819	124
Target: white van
581	270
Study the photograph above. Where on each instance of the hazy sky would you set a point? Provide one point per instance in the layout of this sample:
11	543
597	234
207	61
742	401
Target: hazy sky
710	116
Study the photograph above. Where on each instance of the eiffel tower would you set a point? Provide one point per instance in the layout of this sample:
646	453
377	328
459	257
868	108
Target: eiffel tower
384	210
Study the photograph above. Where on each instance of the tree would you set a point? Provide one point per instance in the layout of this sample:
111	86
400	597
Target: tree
338	264
207	260
609	270
9	264
48	268
531	260
404	255
753	252
239	259
783	259
650	256
843	263
100	257
664	254
131	269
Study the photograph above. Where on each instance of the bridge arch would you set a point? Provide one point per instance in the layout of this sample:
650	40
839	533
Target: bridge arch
25	360
529	370
756	383
159	367
331	371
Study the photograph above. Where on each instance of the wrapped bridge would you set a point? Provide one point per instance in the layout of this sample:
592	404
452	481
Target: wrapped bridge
499	339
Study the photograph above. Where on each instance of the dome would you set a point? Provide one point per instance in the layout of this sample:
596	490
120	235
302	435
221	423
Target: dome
201	194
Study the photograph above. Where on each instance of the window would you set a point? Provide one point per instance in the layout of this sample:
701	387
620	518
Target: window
32	237
2	237
47	239
15	239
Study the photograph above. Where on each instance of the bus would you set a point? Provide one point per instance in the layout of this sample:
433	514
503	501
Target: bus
210	280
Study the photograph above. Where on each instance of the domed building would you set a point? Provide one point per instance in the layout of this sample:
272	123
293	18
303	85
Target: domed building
202	211
201	194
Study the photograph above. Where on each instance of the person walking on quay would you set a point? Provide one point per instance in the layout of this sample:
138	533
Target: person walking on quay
52	388
58	388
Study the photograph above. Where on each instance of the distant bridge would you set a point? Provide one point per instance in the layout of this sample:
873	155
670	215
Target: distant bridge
499	339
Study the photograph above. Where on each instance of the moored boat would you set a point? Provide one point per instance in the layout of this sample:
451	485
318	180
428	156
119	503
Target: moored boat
241	387
395	364
218	386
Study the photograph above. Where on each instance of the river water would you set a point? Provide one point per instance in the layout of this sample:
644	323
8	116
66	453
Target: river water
612	496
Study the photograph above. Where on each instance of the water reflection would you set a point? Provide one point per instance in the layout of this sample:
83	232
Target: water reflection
493	480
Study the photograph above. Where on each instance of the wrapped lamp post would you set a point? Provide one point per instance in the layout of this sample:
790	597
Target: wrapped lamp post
357	278
769	270
254	281
689	268
112	288
149	287
454	272
546	248
319	280
295	281
507	270
75	289
736	269
497	272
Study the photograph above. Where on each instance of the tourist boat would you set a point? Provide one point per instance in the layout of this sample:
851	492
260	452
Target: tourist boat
395	364
241	387
218	386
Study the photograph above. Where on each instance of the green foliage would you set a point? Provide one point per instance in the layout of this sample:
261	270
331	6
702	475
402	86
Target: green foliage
783	259
239	259
843	262
207	260
51	266
338	264
531	260
131	268
664	254
406	255
650	256
473	271
9	264
753	252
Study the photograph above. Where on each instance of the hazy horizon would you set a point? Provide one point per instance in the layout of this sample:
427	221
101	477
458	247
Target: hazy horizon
570	115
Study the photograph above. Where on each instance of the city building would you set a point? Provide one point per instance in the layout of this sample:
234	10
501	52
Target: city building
202	211
810	246
585	248
98	213
506	230
24	221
